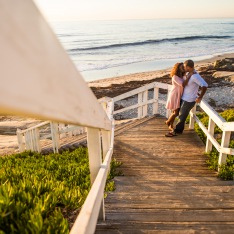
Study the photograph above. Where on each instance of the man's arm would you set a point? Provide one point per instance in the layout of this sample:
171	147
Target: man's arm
201	82
203	91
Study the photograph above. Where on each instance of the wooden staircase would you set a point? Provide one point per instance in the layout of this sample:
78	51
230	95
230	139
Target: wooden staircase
167	186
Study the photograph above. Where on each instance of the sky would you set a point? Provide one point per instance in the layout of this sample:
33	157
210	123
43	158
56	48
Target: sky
65	10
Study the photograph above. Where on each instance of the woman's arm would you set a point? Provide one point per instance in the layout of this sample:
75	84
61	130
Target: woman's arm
188	78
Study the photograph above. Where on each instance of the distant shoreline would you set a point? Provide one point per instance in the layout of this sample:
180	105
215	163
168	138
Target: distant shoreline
151	74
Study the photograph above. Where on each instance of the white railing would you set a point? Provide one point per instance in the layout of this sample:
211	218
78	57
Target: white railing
31	138
143	101
214	119
93	208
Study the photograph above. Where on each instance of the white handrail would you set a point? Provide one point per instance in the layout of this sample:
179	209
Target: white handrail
226	127
44	82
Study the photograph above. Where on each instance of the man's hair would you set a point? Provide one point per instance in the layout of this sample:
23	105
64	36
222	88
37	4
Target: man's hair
189	63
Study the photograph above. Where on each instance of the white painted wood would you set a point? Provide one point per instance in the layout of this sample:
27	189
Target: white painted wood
140	100
155	104
94	148
38	78
55	136
191	119
95	159
228	126
141	89
27	140
211	127
20	140
224	143
36	126
145	106
211	138
212	114
106	140
37	140
227	150
134	106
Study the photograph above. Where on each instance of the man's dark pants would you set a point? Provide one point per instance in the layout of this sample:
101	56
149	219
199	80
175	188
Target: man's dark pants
184	112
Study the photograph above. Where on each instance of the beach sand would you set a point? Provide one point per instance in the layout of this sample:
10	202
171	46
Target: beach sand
220	95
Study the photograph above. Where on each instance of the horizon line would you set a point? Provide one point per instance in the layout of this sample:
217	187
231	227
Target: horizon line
140	19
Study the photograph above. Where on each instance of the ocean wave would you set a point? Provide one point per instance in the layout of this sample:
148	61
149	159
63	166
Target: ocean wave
139	43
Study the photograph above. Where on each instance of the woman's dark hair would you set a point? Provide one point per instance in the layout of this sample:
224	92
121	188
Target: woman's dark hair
176	70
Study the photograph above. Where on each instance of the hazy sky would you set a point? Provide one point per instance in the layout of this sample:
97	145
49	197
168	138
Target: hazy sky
60	10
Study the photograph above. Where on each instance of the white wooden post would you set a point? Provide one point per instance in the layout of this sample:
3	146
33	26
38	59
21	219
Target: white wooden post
20	140
27	140
106	138
211	127
37	140
191	119
144	107
168	112
155	104
224	143
62	127
95	159
55	136
140	99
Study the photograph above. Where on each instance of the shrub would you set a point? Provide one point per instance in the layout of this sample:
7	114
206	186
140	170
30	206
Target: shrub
37	190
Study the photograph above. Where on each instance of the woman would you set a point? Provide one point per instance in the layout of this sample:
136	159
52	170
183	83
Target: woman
174	99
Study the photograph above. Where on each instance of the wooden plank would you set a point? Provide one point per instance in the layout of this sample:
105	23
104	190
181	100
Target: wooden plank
47	85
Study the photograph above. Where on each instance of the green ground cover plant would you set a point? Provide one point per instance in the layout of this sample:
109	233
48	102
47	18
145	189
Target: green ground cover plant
38	191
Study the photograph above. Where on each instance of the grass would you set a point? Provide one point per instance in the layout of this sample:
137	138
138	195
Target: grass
226	171
38	191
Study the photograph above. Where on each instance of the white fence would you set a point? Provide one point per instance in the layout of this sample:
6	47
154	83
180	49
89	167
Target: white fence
214	119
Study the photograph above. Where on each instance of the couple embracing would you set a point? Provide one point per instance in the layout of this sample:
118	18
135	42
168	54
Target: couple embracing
184	94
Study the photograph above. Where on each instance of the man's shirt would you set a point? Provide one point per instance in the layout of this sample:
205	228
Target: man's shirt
191	89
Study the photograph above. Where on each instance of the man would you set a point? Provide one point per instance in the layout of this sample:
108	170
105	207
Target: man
190	96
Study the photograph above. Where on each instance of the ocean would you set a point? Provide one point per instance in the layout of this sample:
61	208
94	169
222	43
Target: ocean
104	49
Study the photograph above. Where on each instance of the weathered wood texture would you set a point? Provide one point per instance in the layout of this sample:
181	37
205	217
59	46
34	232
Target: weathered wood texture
167	186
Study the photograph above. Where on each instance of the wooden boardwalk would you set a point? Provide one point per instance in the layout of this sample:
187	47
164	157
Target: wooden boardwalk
166	187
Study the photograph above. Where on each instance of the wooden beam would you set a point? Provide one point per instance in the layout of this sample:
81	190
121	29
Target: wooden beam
38	78
211	127
224	144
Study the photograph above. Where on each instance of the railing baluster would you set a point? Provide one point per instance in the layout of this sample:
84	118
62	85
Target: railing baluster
95	159
191	119
55	136
140	99
211	127
20	140
224	143
145	107
155	104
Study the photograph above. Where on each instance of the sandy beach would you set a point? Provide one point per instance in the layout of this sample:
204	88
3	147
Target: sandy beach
220	94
